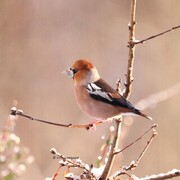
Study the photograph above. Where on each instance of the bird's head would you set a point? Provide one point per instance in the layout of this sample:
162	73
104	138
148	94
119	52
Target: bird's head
83	72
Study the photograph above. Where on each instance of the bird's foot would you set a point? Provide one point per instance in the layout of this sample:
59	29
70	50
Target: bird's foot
93	124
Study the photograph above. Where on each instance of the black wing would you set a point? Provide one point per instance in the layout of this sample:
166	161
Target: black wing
102	91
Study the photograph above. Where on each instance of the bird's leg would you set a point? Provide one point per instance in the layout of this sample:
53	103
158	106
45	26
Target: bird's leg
93	124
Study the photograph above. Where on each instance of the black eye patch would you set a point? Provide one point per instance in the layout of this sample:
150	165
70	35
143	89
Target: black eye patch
74	70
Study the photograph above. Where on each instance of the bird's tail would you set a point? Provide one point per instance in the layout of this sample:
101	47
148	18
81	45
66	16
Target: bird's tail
138	112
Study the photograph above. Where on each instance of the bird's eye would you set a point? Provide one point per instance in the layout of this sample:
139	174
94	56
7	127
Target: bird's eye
74	70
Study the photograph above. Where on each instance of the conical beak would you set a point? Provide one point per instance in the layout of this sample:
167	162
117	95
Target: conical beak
68	72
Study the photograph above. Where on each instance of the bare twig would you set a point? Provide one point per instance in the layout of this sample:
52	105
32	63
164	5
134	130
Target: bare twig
129	77
76	163
169	175
118	86
114	147
56	173
128	84
121	150
105	148
147	145
134	164
155	36
18	112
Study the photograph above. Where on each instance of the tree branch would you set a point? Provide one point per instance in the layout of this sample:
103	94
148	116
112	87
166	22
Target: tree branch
114	147
19	112
121	150
154	134
134	164
129	77
155	36
169	175
128	84
75	163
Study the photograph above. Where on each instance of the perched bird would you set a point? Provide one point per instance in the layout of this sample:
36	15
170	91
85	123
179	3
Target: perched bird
96	97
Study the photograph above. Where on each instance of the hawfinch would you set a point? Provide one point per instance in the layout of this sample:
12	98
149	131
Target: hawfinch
96	97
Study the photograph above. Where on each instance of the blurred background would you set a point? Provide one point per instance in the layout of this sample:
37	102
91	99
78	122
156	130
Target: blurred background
39	39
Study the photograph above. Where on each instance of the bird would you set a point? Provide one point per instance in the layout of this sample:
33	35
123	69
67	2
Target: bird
94	96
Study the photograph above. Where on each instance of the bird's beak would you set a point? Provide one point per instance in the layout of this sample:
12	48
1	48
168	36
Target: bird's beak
68	72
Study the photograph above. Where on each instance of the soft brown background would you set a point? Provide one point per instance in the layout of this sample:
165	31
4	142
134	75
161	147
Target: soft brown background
39	39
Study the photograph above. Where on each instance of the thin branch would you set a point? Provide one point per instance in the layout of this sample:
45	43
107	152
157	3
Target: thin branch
113	147
119	87
105	148
147	145
121	150
76	163
18	112
129	77
169	175
56	173
134	164
128	84
155	36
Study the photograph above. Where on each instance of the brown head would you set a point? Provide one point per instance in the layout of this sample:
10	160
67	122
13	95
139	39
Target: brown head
83	72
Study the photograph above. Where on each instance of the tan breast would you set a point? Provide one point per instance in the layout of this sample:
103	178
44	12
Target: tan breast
95	108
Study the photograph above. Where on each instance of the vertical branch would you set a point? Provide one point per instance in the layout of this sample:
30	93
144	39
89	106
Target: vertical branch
113	149
128	84
131	45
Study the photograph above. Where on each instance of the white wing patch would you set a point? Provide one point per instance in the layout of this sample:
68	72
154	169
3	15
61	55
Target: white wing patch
93	87
96	90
